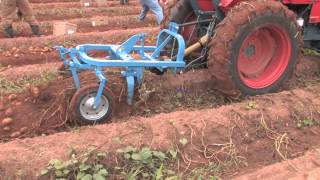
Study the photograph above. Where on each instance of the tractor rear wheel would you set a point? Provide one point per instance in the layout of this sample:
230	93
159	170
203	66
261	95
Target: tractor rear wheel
255	48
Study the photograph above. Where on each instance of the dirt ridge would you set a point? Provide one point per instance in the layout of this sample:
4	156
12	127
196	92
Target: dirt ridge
160	131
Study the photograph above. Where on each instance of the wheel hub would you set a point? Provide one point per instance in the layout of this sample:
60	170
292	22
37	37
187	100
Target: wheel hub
250	51
90	113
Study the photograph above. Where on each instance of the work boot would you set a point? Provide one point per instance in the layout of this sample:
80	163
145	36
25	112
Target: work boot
9	32
35	30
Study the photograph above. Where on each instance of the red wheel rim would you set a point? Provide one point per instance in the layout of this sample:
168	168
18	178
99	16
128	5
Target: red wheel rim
264	56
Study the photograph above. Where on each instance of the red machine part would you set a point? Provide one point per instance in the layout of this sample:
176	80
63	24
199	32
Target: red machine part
225	5
315	11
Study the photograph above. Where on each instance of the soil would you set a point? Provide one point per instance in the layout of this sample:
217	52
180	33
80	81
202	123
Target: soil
167	108
101	24
253	132
75	4
39	50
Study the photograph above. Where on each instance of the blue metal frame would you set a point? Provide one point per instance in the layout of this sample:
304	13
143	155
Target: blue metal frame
119	56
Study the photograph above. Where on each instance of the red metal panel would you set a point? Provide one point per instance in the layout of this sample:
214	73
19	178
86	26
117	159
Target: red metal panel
315	13
206	5
300	1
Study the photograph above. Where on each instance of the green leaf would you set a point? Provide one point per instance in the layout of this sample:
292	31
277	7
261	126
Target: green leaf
179	95
145	153
59	173
66	172
128	149
127	156
80	175
57	164
54	161
84	167
170	172
98	177
103	172
145	175
132	175
102	154
159	155
97	167
308	122
136	156
172	178
87	177
173	153
183	141
159	173
44	172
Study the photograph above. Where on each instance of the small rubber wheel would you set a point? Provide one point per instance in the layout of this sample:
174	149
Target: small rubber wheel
255	49
81	106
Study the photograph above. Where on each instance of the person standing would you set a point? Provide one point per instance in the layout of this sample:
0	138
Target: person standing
10	8
152	5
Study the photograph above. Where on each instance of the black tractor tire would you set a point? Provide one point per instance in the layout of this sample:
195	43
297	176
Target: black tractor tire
240	23
180	11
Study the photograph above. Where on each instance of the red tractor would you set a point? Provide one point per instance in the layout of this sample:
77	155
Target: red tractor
255	44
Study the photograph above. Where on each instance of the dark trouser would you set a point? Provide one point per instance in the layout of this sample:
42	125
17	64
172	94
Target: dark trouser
9	12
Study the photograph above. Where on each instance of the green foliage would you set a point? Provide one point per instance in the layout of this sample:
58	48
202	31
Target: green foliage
310	52
251	105
147	163
88	166
306	122
19	85
134	164
183	141
210	171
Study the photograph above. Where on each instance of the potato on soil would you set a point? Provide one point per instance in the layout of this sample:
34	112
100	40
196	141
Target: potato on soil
2	107
15	134
12	97
7	128
9	112
7	121
23	130
35	92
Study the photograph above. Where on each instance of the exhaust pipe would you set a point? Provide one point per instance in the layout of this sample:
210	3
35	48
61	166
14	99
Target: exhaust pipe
203	40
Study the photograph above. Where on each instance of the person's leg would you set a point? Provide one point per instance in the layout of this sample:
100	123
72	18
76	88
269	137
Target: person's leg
26	11
8	13
144	11
156	9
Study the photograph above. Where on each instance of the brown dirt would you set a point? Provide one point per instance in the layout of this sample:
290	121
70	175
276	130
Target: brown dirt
39	50
253	132
68	13
103	23
28	70
52	1
305	167
254	125
51	103
166	87
76	4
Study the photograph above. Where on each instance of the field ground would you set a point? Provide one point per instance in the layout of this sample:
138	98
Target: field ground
273	136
